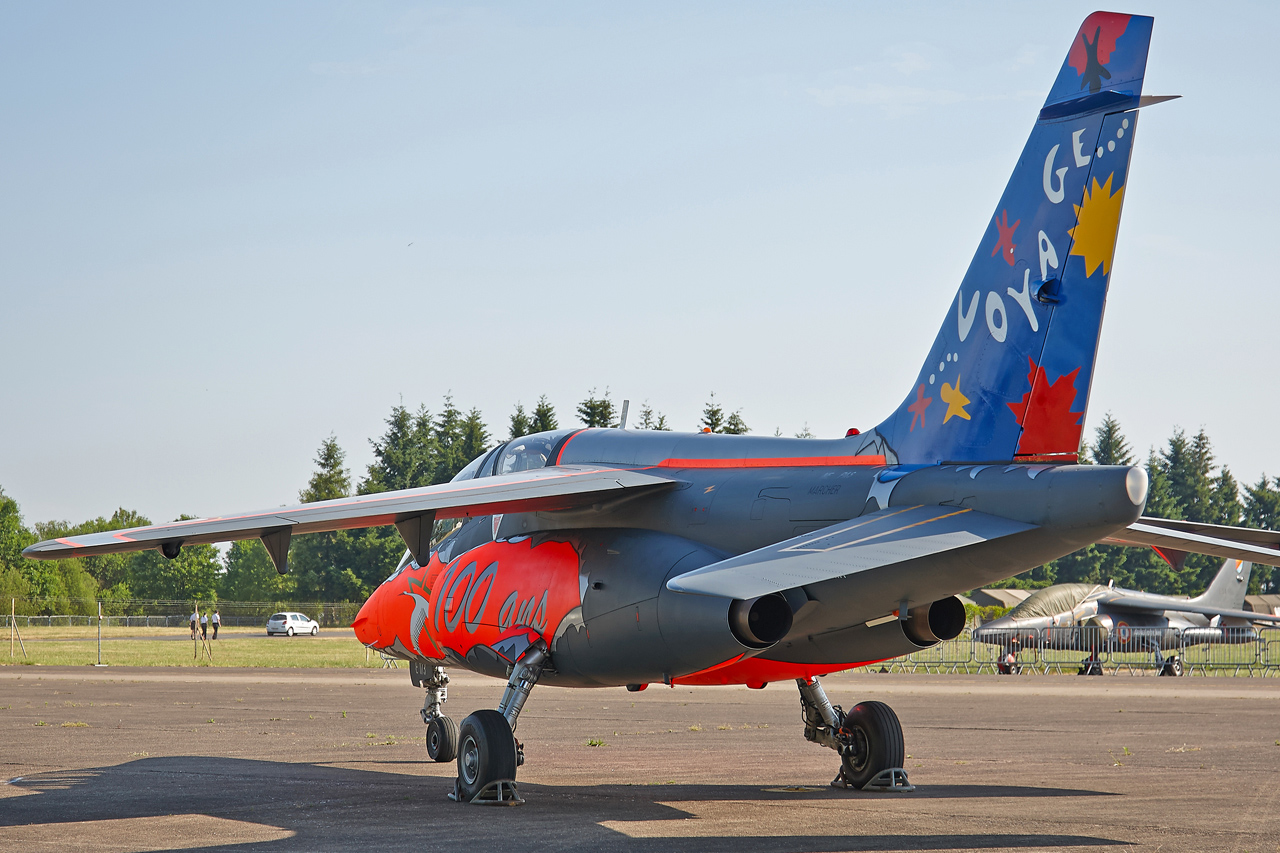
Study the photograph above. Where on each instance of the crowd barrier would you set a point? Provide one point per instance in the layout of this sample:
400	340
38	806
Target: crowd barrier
1091	650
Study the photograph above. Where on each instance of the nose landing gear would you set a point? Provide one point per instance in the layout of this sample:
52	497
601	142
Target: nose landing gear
868	738
442	731
488	752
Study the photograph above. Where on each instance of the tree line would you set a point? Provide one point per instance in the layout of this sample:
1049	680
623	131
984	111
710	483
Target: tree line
420	448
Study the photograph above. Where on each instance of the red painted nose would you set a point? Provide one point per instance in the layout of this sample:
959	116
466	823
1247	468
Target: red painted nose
367	624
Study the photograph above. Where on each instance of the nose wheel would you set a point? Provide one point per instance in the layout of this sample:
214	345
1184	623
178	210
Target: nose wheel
442	739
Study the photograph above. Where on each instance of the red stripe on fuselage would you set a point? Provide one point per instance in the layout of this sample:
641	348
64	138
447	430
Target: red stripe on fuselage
775	462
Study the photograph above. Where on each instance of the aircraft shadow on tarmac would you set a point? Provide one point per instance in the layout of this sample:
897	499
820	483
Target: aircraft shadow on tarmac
338	808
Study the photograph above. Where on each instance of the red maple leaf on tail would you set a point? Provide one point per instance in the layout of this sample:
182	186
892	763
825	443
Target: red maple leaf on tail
1048	424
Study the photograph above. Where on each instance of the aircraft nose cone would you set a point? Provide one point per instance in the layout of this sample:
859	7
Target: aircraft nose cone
367	624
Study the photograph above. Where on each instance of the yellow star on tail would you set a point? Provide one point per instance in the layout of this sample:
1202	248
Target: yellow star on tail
1097	219
955	401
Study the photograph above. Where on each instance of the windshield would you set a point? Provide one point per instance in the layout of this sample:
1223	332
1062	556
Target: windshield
529	452
1052	601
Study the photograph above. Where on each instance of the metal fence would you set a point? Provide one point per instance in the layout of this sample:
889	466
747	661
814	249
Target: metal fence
1095	651
177	614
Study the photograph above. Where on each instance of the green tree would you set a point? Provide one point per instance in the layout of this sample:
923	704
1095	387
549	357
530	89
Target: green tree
448	430
191	576
473	440
405	456
806	432
249	575
319	562
521	423
1109	445
597	411
544	417
109	570
649	419
62	585
715	419
1262	509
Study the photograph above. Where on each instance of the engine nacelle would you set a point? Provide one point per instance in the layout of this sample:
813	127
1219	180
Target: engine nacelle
635	631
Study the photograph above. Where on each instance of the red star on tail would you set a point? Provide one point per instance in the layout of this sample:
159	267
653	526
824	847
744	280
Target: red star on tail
1006	237
917	408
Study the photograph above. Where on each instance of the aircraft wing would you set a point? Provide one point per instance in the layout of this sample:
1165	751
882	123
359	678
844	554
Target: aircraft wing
882	538
557	487
1173	540
1128	602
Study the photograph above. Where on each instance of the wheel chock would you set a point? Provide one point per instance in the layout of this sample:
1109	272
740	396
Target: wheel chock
500	792
891	781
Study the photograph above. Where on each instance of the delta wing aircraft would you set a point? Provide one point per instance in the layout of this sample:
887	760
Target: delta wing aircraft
1094	618
610	557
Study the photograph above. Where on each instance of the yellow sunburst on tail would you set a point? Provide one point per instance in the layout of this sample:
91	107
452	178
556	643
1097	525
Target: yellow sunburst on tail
1097	220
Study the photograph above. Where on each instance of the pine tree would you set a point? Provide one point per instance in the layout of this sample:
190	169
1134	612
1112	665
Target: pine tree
1109	445
319	561
652	420
473	438
712	416
597	411
1262	509
405	455
735	425
521	423
450	458
330	480
544	417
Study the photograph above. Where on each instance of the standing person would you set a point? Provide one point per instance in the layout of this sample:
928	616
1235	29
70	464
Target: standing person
217	620
195	615
204	625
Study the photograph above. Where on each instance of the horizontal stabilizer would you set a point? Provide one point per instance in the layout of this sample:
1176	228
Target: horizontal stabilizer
558	487
1235	543
881	538
1129	602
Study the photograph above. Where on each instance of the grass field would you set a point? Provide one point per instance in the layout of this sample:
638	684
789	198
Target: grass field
173	647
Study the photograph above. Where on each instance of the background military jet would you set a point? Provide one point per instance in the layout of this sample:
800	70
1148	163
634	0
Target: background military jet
1093	618
610	557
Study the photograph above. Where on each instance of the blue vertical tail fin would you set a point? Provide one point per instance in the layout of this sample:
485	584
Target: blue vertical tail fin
1008	377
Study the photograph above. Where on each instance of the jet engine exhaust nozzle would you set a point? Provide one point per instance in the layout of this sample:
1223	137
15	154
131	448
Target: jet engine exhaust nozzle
760	622
934	622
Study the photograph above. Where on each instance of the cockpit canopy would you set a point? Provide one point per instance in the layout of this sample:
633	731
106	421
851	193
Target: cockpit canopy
1052	601
519	454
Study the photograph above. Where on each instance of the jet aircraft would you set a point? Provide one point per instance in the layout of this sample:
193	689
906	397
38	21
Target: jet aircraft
1094	618
612	557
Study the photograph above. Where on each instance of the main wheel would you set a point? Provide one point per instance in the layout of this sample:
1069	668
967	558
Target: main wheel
1173	667
875	742
442	739
486	752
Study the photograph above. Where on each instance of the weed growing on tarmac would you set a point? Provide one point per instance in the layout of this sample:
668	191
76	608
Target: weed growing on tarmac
1185	748
595	741
70	725
695	728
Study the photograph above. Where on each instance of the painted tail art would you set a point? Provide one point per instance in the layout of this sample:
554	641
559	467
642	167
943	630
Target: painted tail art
1008	377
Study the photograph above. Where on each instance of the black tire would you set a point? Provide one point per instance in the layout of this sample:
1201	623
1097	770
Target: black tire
442	739
289	631
875	742
1174	667
486	752
315	630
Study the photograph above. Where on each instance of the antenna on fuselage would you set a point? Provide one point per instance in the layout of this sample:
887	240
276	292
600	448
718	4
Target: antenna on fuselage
622	421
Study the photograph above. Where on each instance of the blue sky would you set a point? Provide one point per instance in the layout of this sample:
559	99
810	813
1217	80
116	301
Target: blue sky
206	213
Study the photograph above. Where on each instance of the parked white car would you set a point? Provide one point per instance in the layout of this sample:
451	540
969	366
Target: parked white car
292	623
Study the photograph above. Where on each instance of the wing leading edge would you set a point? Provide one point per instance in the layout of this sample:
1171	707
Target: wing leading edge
558	487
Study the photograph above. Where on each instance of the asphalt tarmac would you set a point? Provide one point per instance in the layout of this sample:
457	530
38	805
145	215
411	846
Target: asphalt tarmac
166	759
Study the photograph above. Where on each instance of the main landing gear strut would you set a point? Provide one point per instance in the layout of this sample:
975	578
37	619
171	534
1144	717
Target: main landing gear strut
868	738
487	750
